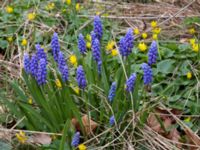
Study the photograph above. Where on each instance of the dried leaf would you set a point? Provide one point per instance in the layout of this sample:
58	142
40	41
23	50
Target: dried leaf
88	124
153	123
42	139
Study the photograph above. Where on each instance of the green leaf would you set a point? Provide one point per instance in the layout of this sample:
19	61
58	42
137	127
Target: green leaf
63	140
166	66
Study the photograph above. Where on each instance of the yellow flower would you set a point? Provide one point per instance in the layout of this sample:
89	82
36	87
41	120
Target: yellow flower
21	137
10	39
88	45
73	60
82	147
9	9
156	30
144	35
192	41
114	52
153	24
31	16
187	119
30	101
189	75
195	47
68	2
142	46
24	42
136	31
192	30
58	83
97	13
50	6
53	137
88	37
110	45
77	7
76	89
155	36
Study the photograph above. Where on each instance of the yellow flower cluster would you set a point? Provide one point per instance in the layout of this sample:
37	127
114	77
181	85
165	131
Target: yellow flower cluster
24	42
88	41
189	75
30	101
194	44
155	30
58	83
111	48
75	88
21	137
9	9
10	39
82	147
50	6
31	16
142	46
73	60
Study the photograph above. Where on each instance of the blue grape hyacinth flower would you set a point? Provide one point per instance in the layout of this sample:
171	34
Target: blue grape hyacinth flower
152	53
34	65
26	62
62	66
76	139
55	46
148	75
93	36
81	44
98	28
112	120
42	72
99	64
80	77
131	82
40	52
112	92
126	43
96	52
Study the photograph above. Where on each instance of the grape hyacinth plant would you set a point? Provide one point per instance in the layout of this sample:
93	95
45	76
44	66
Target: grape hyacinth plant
65	96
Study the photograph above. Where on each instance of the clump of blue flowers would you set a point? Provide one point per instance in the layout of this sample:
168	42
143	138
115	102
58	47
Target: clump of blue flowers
81	44
80	77
98	28
112	92
152	53
148	75
76	139
131	82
